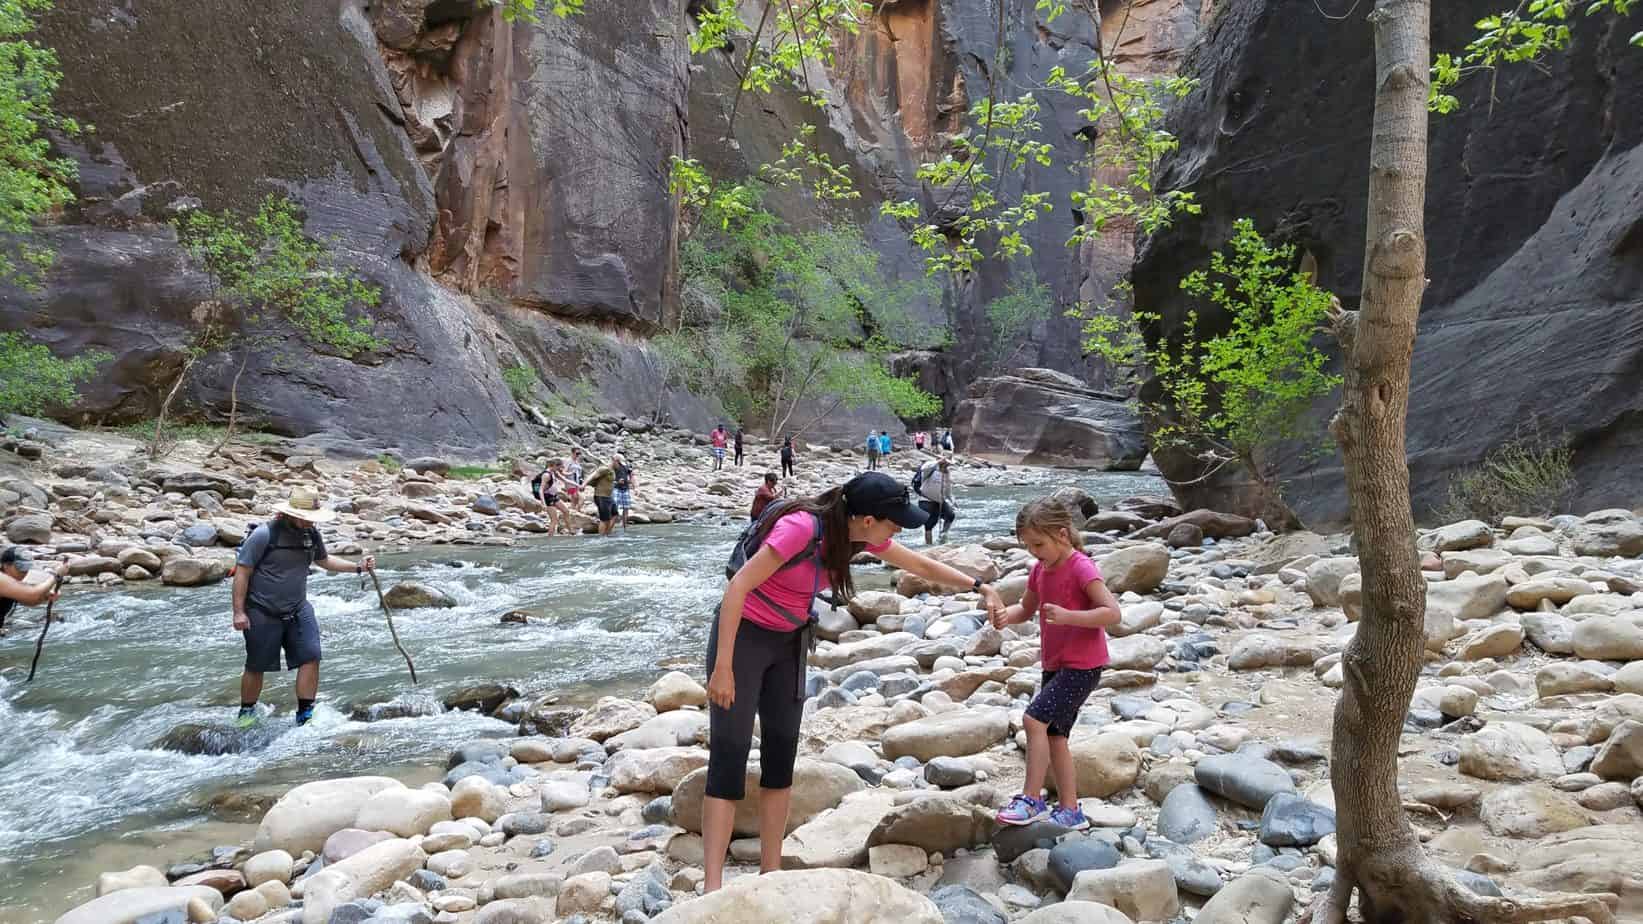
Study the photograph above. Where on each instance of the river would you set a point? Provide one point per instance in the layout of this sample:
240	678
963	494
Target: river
83	788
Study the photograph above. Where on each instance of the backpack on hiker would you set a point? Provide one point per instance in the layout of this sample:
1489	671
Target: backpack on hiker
536	483
276	527
918	478
623	475
747	545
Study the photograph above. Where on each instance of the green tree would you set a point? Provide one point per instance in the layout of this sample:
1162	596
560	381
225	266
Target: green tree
261	265
33	182
1232	397
32	379
1526	33
1011	317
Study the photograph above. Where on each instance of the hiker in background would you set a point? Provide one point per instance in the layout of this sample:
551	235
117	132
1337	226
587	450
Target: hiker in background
718	438
873	447
622	487
603	482
885	447
947	440
573	479
738	447
270	599
933	482
763	496
918	440
547	486
14	563
760	639
787	457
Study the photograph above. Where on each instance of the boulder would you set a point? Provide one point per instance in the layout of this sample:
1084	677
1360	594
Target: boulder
480	697
1606	533
611	716
1607	715
1563	677
676	689
1621	757
364	874
679	728
29	529
1323	579
838	837
1076	912
1260	896
305	816
1261	650
938	824
1187	815
1107	764
1509	751
1244	778
1610	638
1550	632
817	786
137	877
1531	811
1456	537
1600	858
1497	641
1292	821
867	649
1044	417
950	734
653	770
143	905
1142	889
817	896
183	571
1558	590
1467	597
411	595
973	560
1481	561
1629	679
1139	568
402	811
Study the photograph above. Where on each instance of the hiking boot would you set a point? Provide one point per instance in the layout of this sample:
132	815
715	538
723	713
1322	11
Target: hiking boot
1023	810
247	718
1072	818
304	716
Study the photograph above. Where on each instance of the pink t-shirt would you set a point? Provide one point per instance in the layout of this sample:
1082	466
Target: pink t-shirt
790	587
718	439
1068	646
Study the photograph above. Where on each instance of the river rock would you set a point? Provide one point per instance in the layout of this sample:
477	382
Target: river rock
405	812
268	866
563	795
365	873
973	560
838	837
583	893
1323	579
137	877
1601	858
1452	701
1142	889
29	529
867	649
1456	537
961	904
227	882
897	861
1292	821
141	557
817	896
411	595
1136	618
247	906
1260	896
1139	568
1564	677
305	816
1550	632
949	772
1107	764
1606	533
1244	778
1531	811
869	605
1559	590
1607	715
1074	855
1509	751
483	698
1012	841
136	905
1135	653
679	728
517	911
183	571
1468	597
938	824
1074	912
198	536
1609	638
817	786
1187	815
476	797
345	843
1192	874
654	770
950	734
1493	642
528	885
1629	679
611	716
1621	757
832	622
676	689
1263	650
91	565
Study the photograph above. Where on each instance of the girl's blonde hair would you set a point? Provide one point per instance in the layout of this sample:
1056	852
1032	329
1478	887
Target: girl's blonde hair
1046	515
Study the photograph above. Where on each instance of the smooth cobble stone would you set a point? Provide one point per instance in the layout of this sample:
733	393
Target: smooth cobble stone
658	810
1074	855
542	848
428	881
960	904
1192	874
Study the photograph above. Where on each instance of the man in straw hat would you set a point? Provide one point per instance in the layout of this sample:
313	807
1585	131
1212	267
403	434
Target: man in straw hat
271	600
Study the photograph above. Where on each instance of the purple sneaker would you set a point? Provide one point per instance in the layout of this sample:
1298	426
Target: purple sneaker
1023	810
1073	818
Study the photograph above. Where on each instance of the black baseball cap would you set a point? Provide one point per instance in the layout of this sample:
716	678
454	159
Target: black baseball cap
875	494
16	558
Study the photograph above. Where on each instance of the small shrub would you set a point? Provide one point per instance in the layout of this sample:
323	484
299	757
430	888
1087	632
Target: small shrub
472	472
521	381
1526	476
389	464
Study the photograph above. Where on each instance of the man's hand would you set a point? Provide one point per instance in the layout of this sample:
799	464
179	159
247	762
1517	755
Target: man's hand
368	563
241	622
61	570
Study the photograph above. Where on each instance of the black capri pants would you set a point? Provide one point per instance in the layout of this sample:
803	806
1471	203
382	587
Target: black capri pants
768	667
938	510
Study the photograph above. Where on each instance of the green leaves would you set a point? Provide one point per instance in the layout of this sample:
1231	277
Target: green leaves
33	380
1526	33
526	9
266	262
33	183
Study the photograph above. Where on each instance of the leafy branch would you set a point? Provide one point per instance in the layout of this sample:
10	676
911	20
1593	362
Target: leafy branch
1526	33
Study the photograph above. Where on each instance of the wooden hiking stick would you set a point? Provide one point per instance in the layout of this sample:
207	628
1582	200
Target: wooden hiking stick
40	643
391	630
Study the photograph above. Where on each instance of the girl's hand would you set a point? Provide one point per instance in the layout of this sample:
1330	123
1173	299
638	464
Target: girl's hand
1054	615
721	688
999	619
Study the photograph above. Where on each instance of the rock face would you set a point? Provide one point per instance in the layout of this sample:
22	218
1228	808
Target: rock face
1564	262
1043	417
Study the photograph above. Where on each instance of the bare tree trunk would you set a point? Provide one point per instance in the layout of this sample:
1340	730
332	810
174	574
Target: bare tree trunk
233	407
1380	856
154	447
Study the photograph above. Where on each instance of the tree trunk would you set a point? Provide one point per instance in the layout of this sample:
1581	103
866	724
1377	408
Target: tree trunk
154	447
233	408
1380	856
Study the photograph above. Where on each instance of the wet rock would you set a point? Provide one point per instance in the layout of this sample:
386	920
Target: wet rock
1509	751
1077	854
410	595
1292	821
1142	889
1244	778
1187	815
483	698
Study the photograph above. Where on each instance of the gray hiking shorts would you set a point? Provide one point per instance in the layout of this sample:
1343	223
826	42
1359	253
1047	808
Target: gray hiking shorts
298	637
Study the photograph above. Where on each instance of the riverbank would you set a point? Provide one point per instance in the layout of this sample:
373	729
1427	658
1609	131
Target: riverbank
1203	759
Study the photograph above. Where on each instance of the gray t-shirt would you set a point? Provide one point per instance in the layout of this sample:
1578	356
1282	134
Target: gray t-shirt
279	582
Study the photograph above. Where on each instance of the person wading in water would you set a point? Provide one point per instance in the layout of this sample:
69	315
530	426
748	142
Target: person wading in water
14	563
603	482
760	639
271	605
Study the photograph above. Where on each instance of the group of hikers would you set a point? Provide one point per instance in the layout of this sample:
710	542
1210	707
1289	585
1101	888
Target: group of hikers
561	488
721	439
793	551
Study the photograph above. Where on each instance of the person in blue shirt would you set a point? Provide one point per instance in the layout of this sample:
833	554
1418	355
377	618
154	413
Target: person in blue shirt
873	447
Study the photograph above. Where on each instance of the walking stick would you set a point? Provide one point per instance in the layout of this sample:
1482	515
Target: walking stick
391	630
40	643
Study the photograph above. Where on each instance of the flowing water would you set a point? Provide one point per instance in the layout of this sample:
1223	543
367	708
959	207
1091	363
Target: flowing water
84	788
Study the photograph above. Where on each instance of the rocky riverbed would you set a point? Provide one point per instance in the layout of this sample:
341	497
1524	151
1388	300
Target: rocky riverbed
1202	760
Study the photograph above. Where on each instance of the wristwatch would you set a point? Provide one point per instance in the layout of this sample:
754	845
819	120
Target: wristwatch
976	586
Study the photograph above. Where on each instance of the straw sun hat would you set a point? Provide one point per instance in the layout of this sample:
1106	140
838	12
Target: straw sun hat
304	505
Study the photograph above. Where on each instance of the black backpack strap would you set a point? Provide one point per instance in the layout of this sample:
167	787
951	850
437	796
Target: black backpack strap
812	551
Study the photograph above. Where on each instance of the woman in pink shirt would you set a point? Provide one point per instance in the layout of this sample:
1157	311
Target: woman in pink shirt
759	644
1074	608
